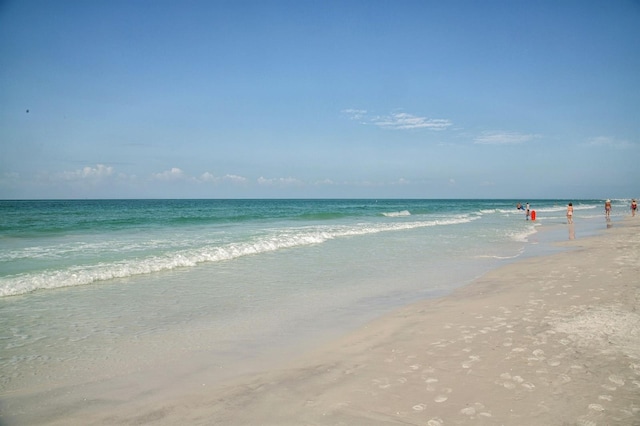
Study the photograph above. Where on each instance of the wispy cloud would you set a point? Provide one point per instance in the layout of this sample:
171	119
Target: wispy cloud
288	181
503	138
88	173
208	177
101	172
355	114
398	120
402	121
609	142
234	179
170	175
177	174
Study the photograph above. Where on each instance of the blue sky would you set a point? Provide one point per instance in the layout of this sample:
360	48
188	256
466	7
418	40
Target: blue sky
308	99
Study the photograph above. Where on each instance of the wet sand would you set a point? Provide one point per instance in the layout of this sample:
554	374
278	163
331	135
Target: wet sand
551	340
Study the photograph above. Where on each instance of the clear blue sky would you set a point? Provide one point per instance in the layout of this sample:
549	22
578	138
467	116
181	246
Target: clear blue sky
306	99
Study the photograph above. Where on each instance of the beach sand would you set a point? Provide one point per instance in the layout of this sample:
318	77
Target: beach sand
551	340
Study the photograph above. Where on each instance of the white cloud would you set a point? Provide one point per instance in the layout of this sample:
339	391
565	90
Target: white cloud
207	177
609	141
88	173
355	114
288	181
175	174
503	138
402	121
10	176
234	178
398	120
168	175
401	181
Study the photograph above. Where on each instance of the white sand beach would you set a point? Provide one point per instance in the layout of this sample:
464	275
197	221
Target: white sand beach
551	340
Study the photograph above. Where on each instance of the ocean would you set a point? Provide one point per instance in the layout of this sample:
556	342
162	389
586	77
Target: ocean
96	289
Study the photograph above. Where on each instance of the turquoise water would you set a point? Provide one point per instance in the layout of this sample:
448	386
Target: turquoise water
99	288
52	244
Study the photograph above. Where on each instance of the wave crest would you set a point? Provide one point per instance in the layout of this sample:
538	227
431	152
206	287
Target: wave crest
397	214
277	240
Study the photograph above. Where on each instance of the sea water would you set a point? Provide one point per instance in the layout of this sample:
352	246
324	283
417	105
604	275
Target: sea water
93	289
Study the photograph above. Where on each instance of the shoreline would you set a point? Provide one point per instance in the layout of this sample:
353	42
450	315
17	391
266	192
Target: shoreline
548	339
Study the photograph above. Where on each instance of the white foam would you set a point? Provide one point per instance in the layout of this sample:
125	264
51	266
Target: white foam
397	214
522	235
275	240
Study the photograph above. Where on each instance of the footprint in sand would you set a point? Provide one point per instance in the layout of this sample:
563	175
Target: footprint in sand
476	408
419	407
472	359
596	407
441	398
616	380
430	384
436	421
539	353
585	422
511	382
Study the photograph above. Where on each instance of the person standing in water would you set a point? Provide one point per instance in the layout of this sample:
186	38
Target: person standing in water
607	209
570	213
634	207
527	211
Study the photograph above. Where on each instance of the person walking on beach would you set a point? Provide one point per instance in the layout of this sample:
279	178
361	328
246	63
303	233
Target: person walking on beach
570	213
634	207
607	209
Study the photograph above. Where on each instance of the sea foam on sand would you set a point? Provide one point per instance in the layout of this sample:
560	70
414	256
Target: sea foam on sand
551	340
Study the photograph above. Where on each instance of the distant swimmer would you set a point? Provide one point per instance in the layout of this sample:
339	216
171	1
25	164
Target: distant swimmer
519	206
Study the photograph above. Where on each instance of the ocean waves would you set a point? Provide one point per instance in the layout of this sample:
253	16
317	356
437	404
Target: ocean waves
54	244
96	262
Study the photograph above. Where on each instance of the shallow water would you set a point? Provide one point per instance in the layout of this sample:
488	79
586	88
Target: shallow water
225	291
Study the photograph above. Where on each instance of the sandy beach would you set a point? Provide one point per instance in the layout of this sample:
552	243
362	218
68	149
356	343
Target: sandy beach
550	340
